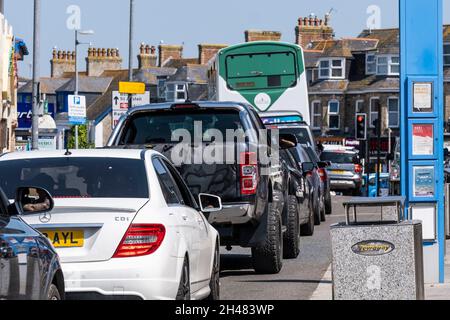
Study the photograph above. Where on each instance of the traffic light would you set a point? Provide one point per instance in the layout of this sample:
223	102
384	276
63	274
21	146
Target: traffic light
361	126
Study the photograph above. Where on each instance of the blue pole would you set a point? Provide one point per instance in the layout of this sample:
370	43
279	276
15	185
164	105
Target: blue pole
421	48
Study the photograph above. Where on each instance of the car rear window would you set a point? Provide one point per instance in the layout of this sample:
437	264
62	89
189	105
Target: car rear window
301	134
77	177
157	127
336	157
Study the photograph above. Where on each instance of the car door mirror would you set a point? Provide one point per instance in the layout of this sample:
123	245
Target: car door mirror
288	141
209	203
31	200
322	164
307	167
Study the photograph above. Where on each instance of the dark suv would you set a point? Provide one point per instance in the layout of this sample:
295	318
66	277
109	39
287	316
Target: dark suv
29	266
251	189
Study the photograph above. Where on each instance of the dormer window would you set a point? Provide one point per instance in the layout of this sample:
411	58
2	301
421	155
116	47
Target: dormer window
371	63
332	68
175	91
388	65
447	54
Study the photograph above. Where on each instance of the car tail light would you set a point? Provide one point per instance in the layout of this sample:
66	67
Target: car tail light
358	168
249	173
141	240
322	175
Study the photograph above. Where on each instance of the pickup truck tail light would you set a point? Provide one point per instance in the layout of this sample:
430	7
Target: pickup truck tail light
249	173
323	175
358	168
141	240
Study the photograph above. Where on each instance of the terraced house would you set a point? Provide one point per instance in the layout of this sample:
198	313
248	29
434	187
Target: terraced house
357	75
12	49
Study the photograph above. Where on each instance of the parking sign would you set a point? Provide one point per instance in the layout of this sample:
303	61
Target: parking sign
77	109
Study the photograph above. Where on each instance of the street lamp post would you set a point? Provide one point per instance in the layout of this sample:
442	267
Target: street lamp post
36	75
130	51
77	43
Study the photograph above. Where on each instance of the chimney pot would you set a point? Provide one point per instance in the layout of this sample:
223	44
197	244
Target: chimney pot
62	62
101	60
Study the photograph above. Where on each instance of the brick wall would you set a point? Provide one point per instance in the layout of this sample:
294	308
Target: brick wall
147	56
207	51
256	35
169	51
312	29
348	112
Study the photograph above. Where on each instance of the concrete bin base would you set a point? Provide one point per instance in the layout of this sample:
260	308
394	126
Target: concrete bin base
382	261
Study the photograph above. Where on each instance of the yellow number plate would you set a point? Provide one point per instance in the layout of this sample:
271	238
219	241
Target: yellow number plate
66	238
338	171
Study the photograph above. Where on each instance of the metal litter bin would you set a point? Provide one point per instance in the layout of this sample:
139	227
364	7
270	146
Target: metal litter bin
380	260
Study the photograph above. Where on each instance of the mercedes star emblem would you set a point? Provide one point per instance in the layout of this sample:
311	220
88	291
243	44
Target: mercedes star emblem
45	217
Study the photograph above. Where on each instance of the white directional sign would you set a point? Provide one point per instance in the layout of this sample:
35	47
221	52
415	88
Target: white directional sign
120	104
77	109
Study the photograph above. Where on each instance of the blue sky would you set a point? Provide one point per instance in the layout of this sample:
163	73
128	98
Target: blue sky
180	21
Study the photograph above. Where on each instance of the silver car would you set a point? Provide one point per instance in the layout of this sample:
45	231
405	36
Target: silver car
345	170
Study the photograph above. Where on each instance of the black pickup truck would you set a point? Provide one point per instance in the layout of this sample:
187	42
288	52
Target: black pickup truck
251	188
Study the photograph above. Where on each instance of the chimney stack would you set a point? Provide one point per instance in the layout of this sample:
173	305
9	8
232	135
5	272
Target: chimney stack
167	52
147	56
313	29
62	62
208	51
102	59
256	35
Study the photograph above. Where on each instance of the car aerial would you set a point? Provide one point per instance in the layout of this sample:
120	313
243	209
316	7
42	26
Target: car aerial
250	186
29	266
321	167
345	170
124	223
302	156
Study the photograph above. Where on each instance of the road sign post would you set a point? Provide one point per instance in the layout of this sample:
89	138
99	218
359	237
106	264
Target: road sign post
422	132
77	112
120	104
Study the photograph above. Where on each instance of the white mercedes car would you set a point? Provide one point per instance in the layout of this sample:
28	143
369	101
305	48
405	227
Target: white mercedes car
125	225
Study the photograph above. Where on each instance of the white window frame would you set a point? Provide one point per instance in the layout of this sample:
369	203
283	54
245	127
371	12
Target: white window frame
314	115
389	64
330	68
446	54
371	119
175	91
334	114
394	112
374	63
357	102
